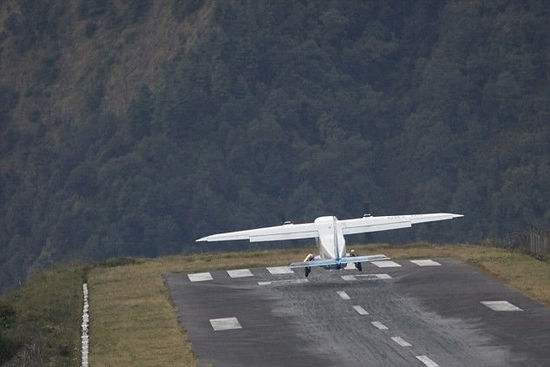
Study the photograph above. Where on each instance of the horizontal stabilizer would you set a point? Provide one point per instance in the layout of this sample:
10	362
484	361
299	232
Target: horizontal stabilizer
362	259
343	260
314	263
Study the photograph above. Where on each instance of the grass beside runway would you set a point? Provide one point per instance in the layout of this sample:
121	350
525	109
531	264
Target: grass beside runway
133	321
40	322
134	324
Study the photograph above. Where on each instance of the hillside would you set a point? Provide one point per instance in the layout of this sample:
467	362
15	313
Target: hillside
132	128
133	321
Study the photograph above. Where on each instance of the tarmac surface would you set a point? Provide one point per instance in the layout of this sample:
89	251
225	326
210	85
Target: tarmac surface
407	315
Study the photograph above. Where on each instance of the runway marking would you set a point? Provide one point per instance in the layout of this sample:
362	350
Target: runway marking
227	323
285	281
199	277
386	264
501	306
402	342
425	262
280	270
379	325
427	361
366	276
349	277
240	273
374	276
343	295
360	310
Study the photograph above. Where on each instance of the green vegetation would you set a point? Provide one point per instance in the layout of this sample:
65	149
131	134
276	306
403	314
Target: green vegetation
130	128
40	322
8	347
134	323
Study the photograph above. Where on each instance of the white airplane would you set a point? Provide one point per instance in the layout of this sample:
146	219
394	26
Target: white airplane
329	234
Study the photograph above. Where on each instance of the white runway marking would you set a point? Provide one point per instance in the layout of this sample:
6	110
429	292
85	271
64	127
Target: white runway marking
360	310
374	276
240	273
283	282
366	276
427	361
402	342
227	323
379	325
280	270
386	264
425	262
343	295
349	277
501	306
199	277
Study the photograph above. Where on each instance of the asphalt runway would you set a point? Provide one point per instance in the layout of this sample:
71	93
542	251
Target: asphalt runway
410	315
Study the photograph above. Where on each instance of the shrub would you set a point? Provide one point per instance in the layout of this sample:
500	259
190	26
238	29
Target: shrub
8	347
7	316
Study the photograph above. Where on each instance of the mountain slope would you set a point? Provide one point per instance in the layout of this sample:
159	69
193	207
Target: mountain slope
131	128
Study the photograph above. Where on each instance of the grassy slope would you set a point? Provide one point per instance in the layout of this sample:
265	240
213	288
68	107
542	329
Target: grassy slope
48	318
133	322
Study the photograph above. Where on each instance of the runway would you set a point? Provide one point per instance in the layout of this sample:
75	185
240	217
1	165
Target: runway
432	312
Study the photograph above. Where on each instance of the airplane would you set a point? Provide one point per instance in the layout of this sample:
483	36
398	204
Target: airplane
329	233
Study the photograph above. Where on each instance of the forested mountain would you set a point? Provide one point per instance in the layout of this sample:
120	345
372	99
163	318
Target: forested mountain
134	127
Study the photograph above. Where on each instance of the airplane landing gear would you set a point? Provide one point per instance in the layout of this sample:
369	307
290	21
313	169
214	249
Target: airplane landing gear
358	266
307	269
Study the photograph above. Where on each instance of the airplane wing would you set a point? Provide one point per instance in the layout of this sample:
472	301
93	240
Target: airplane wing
375	224
343	260
277	233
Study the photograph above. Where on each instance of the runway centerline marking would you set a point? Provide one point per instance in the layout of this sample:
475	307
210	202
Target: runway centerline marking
280	270
284	281
199	277
386	264
349	277
374	276
366	277
343	295
379	325
226	323
425	262
240	273
402	342
427	361
501	306
360	310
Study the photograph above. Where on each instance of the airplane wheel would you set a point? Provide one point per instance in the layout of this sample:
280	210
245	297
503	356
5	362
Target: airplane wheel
307	270
358	266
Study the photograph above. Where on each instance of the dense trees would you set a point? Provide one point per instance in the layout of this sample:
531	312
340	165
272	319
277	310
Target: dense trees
275	111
